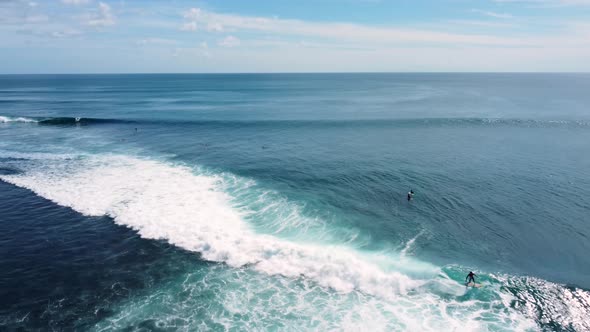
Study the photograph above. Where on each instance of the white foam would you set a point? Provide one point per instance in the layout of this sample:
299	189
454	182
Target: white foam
5	119
168	202
241	300
188	209
40	156
551	302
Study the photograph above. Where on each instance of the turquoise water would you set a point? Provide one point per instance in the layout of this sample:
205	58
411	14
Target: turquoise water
278	202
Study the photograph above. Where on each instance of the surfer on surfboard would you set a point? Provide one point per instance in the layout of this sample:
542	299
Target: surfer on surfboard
470	278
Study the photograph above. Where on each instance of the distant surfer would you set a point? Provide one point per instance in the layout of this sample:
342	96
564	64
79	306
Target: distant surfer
470	278
410	195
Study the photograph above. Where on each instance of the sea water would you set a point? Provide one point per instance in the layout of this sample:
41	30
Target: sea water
278	202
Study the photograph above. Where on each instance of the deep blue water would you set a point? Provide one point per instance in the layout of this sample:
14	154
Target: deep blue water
265	202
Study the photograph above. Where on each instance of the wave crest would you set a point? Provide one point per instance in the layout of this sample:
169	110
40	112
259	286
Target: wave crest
7	119
61	121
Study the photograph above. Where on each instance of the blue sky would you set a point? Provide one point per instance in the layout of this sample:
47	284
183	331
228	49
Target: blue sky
91	36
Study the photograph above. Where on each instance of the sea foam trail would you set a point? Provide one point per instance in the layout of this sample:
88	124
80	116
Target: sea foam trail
188	209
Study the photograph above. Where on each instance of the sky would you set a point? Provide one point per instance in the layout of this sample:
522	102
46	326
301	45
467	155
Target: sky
193	36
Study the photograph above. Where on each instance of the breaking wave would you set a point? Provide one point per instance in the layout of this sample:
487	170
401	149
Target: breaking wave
409	122
208	213
61	121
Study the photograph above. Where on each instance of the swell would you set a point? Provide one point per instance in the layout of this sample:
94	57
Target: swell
69	121
396	123
380	123
62	121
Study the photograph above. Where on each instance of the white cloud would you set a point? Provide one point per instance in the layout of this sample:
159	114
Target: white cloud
65	33
156	41
195	17
104	17
37	19
190	26
75	2
351	32
204	51
434	47
549	3
214	26
229	41
464	24
190	52
575	2
492	14
192	14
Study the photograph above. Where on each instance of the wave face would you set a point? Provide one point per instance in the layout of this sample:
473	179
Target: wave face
208	213
65	121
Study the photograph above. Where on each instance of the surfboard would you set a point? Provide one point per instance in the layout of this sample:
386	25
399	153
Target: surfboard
473	285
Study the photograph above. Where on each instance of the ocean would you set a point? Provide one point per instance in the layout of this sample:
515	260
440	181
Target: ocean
278	202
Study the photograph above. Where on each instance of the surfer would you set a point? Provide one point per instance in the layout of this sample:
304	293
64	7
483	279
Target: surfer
410	195
470	278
